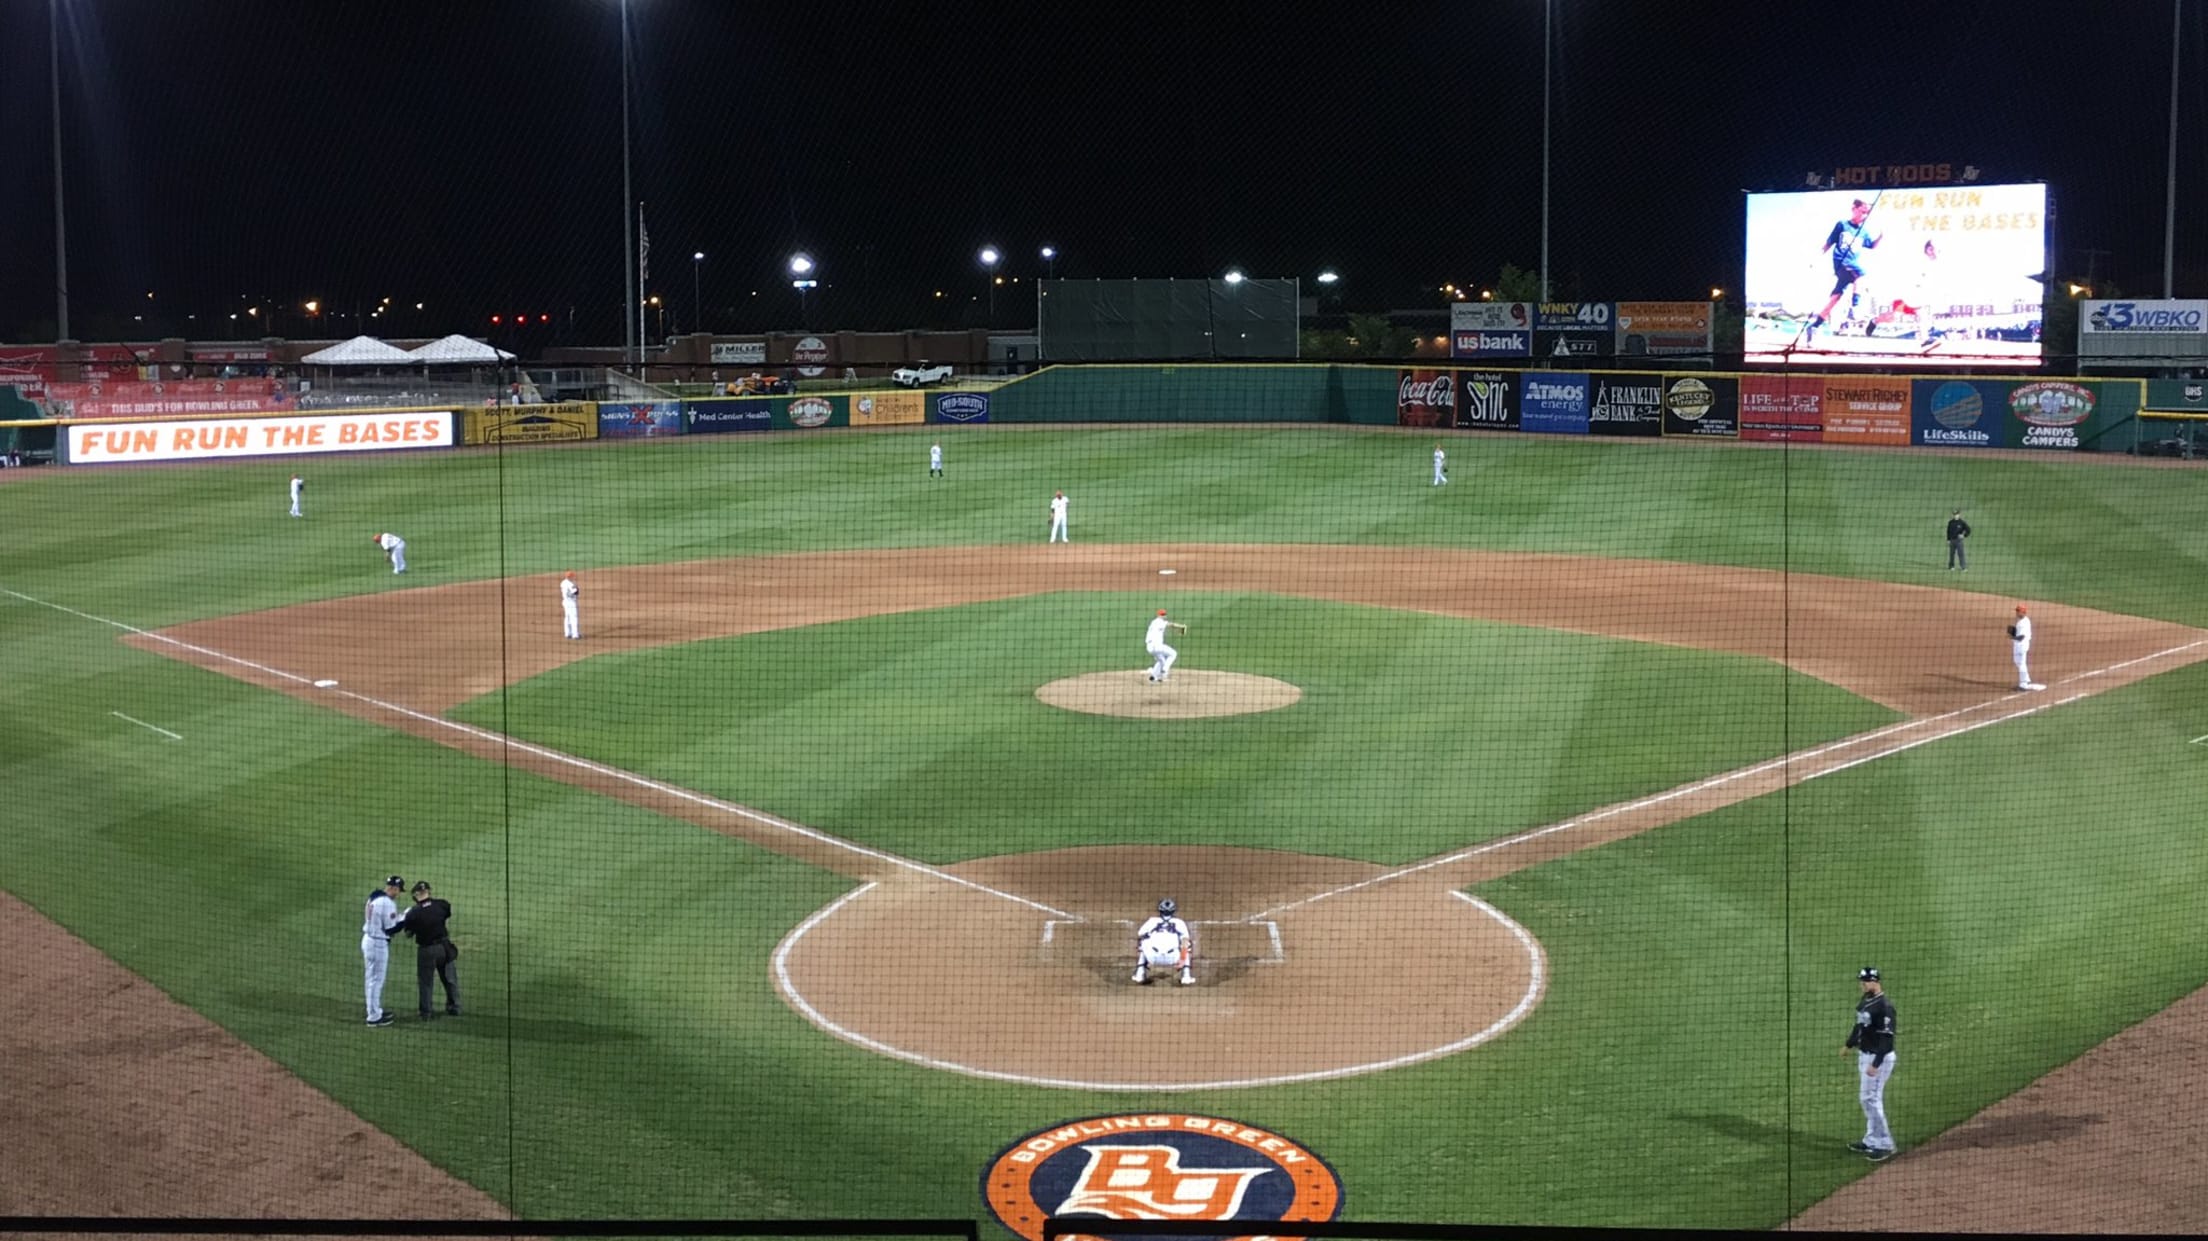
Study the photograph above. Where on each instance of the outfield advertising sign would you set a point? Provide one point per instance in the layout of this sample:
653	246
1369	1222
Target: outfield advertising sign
1657	328
1490	329
1574	331
2047	414
1703	406
639	419
2179	317
1626	404
962	407
1487	400
748	413
1782	407
1960	413
882	409
1553	402
1425	398
111	442
1867	409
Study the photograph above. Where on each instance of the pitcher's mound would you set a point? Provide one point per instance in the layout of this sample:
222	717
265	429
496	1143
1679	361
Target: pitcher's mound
1189	694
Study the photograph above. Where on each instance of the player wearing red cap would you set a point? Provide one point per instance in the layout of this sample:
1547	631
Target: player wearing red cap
2020	648
571	607
1161	655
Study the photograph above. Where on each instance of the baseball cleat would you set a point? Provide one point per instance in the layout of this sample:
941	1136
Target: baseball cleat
2031	685
1142	973
1860	1148
384	1020
1187	979
1879	1154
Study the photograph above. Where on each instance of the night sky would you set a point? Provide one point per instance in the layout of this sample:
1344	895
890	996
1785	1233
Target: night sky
467	154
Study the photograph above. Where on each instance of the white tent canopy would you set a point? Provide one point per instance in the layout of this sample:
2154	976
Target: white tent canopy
457	349
359	351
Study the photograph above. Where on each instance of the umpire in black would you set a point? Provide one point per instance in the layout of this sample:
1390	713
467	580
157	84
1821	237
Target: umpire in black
434	952
1957	531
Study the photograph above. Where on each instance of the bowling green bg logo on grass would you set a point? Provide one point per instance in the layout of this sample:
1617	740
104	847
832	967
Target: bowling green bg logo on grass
1158	1165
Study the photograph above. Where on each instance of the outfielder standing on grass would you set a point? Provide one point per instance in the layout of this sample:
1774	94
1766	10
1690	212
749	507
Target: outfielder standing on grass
1441	460
935	461
298	484
1058	519
378	920
1872	1042
394	550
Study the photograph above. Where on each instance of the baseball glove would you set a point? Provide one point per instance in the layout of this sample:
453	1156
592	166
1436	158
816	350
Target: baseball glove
2012	631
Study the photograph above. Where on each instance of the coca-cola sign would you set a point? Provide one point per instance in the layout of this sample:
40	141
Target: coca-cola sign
1426	398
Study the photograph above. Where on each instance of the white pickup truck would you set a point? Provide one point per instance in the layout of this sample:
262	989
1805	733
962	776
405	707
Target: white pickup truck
919	376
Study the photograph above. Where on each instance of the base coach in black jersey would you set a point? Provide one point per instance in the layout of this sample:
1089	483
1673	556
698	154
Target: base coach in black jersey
1871	1041
435	955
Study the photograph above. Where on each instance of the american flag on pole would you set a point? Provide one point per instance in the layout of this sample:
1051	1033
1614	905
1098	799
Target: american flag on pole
643	248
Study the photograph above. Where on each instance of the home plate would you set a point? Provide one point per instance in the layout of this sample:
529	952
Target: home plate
1167	572
325	685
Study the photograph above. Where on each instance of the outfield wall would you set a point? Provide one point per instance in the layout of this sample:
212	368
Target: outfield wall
2060	414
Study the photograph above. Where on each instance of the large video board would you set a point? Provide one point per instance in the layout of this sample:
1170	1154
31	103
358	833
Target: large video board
1913	275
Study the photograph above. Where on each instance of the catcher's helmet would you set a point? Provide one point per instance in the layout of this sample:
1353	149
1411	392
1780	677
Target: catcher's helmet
1166	908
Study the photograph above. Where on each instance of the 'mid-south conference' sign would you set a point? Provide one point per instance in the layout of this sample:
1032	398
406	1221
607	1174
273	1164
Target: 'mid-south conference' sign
106	443
1160	1165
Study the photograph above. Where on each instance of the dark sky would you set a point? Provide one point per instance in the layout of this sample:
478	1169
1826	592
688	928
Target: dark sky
468	155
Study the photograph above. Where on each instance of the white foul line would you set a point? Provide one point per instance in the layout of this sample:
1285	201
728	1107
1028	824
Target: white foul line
582	764
142	724
1536	981
2198	740
1688	790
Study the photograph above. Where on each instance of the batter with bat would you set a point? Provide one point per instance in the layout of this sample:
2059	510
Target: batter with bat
1161	655
1846	243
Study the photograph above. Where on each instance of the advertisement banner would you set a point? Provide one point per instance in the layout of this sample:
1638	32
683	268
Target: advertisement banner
1626	404
204	354
134	398
1960	413
1783	407
811	356
2188	396
2047	414
1905	275
1490	329
883	409
26	369
109	443
738	352
1657	328
1709	407
639	419
962	407
1425	398
1574	331
1487	400
749	413
2180	317
807	413
1554	403
530	424
1871	409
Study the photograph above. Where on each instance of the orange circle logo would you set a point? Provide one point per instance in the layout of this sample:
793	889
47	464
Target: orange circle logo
1158	1165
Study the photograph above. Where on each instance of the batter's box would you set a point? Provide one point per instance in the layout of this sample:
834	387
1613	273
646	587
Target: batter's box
1228	945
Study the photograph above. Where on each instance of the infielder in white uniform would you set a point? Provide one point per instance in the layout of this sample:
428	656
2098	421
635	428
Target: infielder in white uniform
571	607
1165	943
298	485
935	461
1058	520
1441	474
1161	655
377	921
2020	649
394	550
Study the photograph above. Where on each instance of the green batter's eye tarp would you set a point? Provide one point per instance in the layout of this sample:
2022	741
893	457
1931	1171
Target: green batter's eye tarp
1166	320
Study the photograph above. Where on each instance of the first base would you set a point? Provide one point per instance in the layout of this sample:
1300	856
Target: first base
325	685
1167	572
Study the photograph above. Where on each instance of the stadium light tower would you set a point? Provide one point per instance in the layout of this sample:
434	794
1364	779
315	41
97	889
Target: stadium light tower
631	307
697	303
990	257
1330	276
1050	261
61	239
802	277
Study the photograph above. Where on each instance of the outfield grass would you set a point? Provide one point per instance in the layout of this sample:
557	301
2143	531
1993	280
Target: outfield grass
920	732
2029	888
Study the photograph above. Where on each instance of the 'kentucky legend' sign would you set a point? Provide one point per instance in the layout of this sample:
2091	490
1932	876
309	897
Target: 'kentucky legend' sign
1164	1165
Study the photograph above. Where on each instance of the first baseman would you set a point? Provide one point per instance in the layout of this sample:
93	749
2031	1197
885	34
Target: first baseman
2020	648
1441	473
378	920
394	550
571	607
1161	655
298	485
1165	942
1058	519
1872	1042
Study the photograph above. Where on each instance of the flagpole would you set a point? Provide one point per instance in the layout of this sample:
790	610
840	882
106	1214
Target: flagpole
628	195
643	280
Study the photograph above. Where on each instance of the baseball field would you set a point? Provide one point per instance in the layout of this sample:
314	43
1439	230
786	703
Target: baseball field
1532	829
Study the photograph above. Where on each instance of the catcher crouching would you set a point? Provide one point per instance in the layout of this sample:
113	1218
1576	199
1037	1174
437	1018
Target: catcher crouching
1164	942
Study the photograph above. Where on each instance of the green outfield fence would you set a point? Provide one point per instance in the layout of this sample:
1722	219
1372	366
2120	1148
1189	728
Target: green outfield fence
1533	800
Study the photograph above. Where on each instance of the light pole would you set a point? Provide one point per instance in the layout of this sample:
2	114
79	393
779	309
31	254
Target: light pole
61	240
990	257
2169	203
697	302
1548	22
1050	261
802	268
630	306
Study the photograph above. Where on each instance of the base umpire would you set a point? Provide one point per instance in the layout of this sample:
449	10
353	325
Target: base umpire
435	955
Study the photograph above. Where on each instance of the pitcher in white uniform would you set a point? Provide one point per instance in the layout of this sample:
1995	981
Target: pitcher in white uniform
571	607
1165	943
298	485
378	920
1058	519
1161	655
2020	649
394	550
